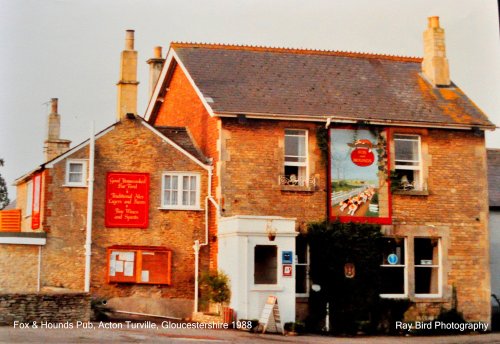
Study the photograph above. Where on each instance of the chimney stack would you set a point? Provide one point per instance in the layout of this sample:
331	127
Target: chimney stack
127	85
54	145
435	64
155	66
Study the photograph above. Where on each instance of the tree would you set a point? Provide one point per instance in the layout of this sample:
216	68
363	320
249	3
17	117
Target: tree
4	195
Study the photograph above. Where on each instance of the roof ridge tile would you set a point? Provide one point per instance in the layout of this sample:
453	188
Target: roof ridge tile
286	50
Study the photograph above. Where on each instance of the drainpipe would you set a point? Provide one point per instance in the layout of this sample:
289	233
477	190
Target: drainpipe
197	245
39	267
90	200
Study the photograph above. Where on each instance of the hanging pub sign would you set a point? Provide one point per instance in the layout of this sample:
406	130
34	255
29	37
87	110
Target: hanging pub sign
349	270
127	199
359	183
35	204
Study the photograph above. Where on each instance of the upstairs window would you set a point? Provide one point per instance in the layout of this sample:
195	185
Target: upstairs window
76	173
295	169
408	161
181	191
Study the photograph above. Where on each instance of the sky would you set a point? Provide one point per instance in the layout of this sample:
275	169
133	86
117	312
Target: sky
70	49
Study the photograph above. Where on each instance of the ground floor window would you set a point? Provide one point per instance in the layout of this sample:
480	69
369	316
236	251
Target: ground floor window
411	267
393	268
427	266
139	264
301	267
266	264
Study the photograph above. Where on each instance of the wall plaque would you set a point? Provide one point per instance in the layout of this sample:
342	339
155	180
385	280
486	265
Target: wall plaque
127	200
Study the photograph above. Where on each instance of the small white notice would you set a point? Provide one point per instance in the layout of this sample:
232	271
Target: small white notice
119	266
145	276
127	256
129	269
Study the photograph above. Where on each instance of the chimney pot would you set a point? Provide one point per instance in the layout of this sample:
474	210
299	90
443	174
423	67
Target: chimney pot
433	22
129	40
157	52
53	103
155	66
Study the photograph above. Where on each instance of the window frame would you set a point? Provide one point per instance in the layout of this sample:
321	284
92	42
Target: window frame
410	270
419	168
306	265
405	274
439	267
179	205
298	164
67	181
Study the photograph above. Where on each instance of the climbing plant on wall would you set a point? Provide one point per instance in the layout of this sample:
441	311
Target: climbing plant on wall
352	301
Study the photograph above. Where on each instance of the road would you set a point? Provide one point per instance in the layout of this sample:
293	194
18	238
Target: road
161	335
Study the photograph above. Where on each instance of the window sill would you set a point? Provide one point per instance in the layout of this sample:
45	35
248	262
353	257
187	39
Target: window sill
428	298
266	287
394	296
179	208
415	298
74	185
411	192
294	188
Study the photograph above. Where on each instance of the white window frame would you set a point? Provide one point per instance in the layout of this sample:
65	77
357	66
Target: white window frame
83	183
179	205
439	294
306	264
298	163
419	167
405	295
29	198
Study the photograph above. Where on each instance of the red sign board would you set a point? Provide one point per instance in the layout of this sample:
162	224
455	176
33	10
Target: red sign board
127	200
362	157
35	205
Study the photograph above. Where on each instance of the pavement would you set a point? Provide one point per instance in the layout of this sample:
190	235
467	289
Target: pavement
123	332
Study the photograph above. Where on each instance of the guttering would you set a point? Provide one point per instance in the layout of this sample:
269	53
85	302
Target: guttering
90	200
339	119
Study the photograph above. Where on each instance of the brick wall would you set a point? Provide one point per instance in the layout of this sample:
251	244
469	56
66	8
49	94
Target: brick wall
252	160
457	204
129	147
52	308
23	275
182	107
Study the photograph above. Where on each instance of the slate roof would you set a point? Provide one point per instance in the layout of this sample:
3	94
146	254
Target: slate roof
182	137
494	177
291	82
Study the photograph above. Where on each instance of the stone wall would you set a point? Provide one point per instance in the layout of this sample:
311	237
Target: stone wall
21	276
455	210
50	308
129	147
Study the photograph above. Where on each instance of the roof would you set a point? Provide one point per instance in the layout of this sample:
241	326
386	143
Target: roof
178	135
494	177
182	137
320	84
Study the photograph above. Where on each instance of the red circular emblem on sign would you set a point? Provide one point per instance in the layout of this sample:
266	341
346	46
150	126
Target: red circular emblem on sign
362	157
